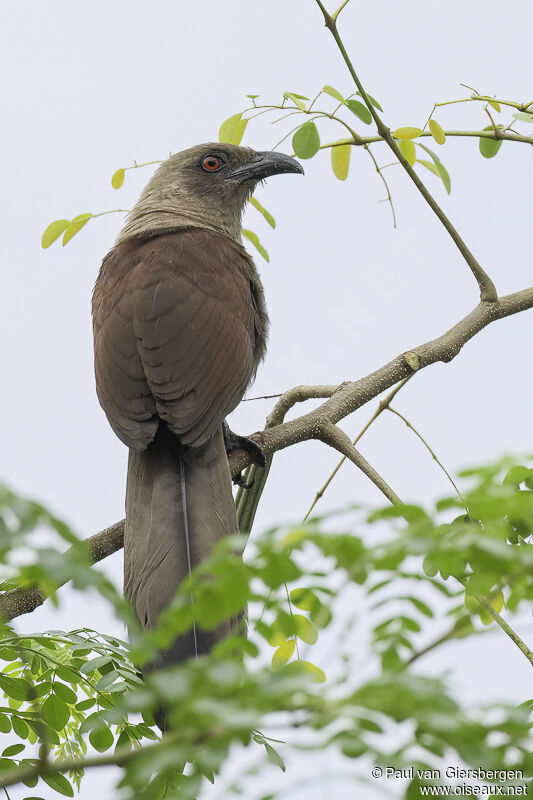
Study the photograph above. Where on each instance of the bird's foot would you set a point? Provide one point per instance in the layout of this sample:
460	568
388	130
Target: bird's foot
240	480
233	441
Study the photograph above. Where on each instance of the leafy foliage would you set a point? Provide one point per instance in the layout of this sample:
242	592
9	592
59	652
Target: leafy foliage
409	567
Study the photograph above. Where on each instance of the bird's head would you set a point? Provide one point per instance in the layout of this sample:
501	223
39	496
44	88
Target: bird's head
205	186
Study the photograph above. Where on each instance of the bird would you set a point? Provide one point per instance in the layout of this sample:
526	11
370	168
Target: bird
180	327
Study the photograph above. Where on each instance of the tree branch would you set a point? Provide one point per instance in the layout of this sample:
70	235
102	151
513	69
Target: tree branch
498	135
341	401
336	438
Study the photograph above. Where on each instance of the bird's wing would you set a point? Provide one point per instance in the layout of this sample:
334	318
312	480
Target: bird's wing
188	312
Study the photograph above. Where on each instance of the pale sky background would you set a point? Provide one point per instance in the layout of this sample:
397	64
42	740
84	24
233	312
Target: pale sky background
90	88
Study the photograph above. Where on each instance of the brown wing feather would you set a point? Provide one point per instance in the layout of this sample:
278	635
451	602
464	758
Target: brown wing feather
176	334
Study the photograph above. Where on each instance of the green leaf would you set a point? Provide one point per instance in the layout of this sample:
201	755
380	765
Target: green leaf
117	178
407	133
283	653
16	688
372	100
109	678
360	111
123	741
20	727
306	140
439	170
495	105
59	783
296	99
408	150
340	160
13	750
5	724
305	629
94	663
262	210
65	693
496	601
523	116
333	93
253	96
301	96
75	226
254	239
101	738
304	598
437	132
419	605
55	712
314	672
54	231
232	130
489	147
84	705
274	757
433	155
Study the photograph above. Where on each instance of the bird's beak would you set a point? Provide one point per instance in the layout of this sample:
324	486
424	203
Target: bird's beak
263	165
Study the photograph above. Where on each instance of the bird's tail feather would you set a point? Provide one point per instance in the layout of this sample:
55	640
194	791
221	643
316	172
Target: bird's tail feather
179	504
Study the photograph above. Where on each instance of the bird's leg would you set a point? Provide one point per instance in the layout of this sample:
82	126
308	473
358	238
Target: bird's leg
233	441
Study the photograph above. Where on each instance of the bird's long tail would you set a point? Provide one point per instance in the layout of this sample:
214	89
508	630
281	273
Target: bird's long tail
179	504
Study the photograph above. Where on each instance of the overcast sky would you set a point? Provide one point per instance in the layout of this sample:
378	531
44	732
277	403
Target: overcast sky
91	88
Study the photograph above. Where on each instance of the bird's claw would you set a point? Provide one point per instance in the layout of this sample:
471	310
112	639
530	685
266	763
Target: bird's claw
233	441
239	480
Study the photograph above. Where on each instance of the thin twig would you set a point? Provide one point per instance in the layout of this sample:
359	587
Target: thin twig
506	628
383	404
487	289
432	452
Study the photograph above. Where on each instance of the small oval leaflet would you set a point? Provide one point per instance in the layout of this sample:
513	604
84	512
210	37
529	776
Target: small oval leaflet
305	630
333	93
489	147
437	132
296	99
262	210
523	116
55	712
101	738
54	231
117	178
408	150
59	783
254	239
315	673
340	160
372	100
360	111
283	653
232	129
407	133
75	226
306	140
439	170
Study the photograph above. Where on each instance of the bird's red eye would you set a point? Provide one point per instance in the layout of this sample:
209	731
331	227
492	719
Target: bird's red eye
211	163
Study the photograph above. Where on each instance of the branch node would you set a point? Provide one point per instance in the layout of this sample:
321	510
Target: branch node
412	360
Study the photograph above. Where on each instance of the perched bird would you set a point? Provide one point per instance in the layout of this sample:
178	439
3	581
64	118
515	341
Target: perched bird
180	327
